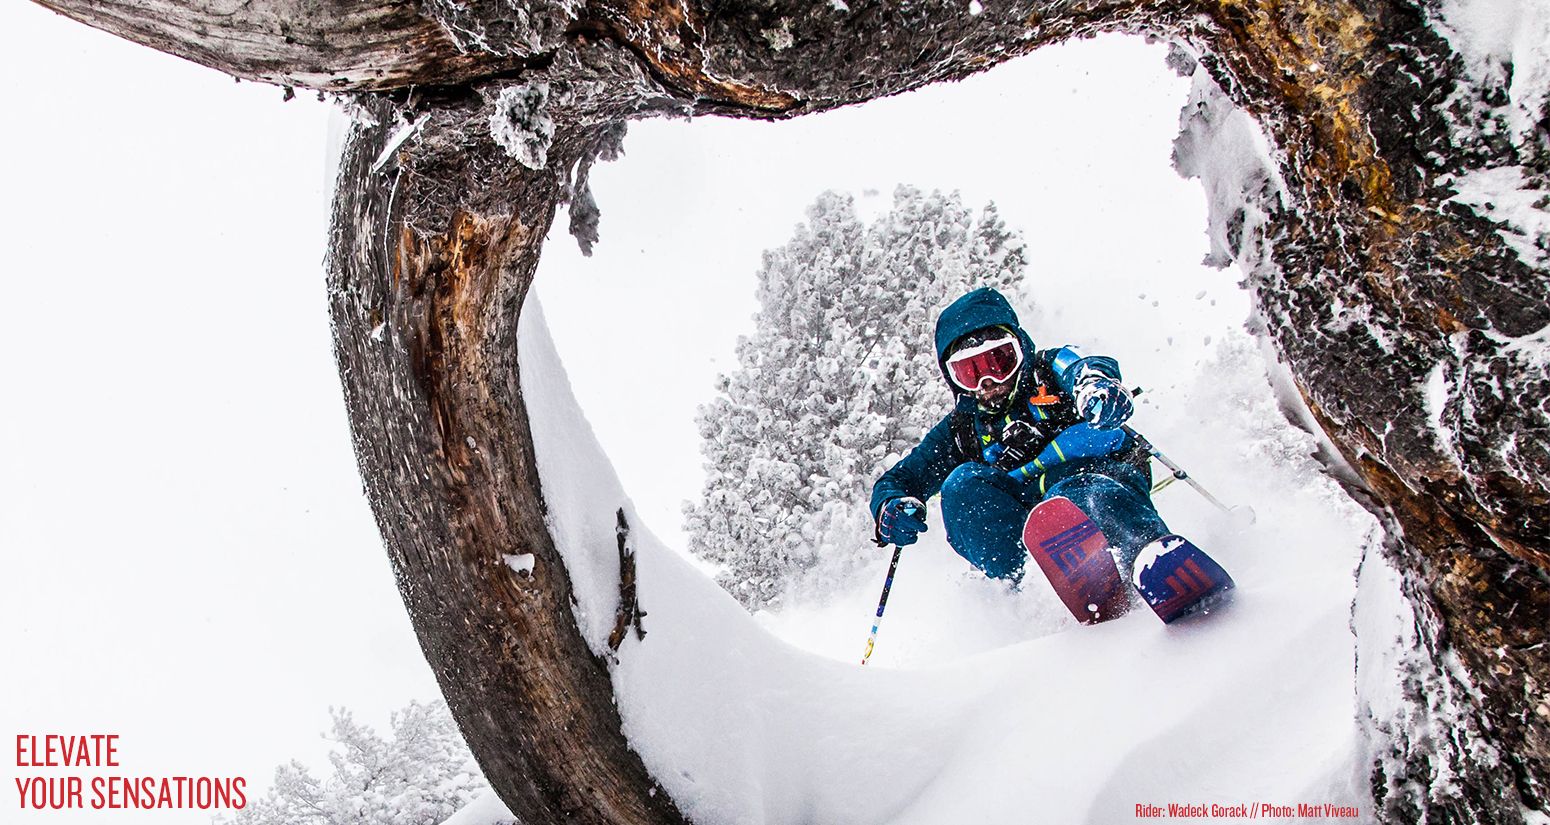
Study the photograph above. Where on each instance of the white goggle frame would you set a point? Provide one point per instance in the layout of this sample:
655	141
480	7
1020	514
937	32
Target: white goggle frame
994	343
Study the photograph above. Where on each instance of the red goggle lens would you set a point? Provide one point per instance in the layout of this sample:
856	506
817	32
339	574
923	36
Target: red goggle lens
997	363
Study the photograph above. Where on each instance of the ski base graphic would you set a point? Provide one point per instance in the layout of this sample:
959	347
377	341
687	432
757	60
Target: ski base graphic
1177	579
1074	555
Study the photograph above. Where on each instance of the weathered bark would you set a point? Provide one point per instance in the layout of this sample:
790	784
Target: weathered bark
1367	144
432	254
425	330
336	45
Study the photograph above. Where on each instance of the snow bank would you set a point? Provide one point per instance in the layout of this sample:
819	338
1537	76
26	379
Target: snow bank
1409	710
988	704
1020	721
579	485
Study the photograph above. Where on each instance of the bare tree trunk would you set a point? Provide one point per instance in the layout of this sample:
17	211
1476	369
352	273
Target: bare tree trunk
435	243
425	328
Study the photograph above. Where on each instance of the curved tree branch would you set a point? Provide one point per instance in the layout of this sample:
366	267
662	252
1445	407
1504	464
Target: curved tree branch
333	45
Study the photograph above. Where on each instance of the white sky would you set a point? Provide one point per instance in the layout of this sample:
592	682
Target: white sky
188	560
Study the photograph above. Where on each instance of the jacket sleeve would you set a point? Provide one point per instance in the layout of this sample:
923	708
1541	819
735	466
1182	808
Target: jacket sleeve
921	473
1070	366
1081	440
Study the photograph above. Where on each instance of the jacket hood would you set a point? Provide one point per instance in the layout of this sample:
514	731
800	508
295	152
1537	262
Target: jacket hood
984	307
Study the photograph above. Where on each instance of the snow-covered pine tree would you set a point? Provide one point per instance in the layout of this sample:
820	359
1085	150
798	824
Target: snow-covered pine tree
420	775
837	381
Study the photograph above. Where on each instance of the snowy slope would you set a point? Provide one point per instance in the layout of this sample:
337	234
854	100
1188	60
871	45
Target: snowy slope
984	705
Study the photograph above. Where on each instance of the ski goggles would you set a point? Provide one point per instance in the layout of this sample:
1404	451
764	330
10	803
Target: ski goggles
995	361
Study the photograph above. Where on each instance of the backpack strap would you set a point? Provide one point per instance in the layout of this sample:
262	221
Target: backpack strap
961	425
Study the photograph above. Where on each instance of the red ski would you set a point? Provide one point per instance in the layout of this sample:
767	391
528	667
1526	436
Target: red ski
1074	555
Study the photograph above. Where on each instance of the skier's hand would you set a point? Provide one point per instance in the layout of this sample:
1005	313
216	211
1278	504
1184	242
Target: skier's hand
1017	446
1104	402
900	521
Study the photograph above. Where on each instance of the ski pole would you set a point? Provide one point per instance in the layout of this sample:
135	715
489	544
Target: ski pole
882	602
1180	474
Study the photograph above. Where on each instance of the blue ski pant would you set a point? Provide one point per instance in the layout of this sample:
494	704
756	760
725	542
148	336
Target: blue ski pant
984	510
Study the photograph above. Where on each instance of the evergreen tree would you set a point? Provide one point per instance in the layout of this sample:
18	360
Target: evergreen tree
421	775
838	380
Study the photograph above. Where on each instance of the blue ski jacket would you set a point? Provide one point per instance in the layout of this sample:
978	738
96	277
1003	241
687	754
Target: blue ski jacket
1044	397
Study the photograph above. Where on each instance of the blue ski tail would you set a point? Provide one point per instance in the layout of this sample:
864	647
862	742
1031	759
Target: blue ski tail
1177	579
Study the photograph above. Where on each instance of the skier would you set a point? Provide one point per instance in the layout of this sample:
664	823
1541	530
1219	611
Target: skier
1028	425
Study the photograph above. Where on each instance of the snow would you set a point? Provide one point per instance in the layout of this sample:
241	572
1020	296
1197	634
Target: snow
1506	194
989	703
521	563
485	810
984	704
404	132
521	125
779	37
975	689
1222	146
1504	43
1406	702
1533	348
1437	392
583	493
1505	47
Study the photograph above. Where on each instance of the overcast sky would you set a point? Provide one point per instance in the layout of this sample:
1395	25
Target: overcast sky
188	559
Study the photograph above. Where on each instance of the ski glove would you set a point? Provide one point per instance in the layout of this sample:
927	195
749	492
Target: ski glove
900	520
1017	445
1103	401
